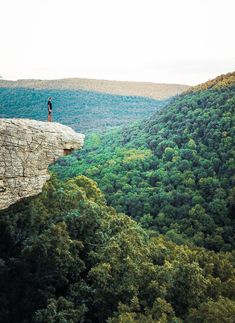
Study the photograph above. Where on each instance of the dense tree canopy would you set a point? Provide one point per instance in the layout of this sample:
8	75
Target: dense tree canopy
65	256
173	173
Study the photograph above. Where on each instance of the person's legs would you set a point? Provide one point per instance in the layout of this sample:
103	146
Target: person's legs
49	117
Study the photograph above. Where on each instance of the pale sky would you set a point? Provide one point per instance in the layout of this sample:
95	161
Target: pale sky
167	41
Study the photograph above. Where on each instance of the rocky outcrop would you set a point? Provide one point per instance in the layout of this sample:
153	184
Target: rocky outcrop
27	147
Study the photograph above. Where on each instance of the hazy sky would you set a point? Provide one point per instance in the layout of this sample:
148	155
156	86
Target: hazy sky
177	41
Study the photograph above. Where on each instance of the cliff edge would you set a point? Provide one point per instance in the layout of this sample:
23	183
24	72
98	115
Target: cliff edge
27	147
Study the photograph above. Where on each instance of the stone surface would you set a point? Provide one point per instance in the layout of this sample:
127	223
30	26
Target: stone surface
27	147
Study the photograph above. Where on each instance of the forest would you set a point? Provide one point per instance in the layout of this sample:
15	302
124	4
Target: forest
84	111
136	227
173	173
68	257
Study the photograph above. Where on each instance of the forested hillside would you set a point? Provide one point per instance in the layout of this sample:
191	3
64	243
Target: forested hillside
67	257
159	91
174	173
84	111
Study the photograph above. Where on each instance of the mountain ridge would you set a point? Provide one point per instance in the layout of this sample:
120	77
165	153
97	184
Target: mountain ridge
127	88
223	80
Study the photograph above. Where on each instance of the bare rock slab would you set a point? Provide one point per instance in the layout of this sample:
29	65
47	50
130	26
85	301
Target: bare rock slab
27	148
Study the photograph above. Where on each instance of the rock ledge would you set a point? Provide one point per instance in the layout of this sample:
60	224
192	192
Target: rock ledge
27	147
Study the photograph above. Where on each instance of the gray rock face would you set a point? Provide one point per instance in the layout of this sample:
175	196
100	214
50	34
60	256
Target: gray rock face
27	147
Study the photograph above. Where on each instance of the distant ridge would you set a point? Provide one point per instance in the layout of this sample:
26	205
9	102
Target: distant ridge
146	89
223	80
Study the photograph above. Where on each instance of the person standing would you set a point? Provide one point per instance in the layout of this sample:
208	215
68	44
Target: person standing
49	107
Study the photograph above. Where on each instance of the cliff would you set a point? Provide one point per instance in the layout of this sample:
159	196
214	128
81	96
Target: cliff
27	147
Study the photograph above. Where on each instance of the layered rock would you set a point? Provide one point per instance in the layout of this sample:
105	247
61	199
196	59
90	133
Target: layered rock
27	147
